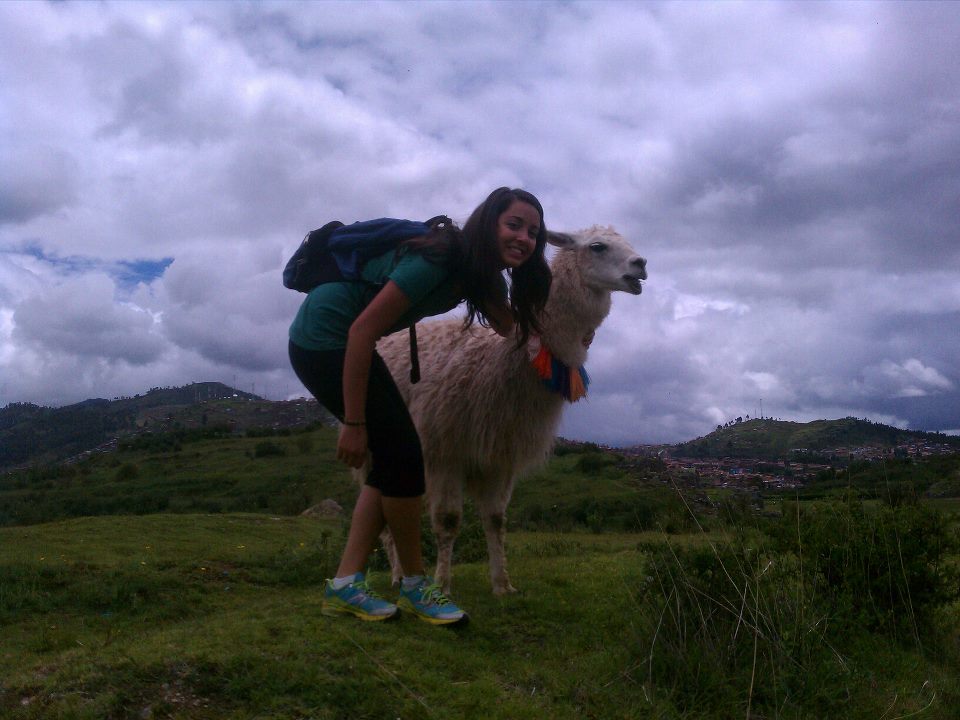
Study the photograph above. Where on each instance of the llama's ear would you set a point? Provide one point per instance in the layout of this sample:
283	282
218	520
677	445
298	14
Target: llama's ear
560	240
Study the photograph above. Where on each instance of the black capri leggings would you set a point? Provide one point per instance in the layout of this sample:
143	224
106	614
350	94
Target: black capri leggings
397	467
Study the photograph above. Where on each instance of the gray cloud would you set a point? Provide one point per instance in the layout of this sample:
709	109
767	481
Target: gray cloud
80	317
35	181
789	169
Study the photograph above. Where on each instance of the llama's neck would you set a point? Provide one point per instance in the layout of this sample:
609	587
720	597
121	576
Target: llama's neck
573	311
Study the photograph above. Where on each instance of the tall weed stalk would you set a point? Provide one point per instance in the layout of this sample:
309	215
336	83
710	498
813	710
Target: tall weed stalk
772	622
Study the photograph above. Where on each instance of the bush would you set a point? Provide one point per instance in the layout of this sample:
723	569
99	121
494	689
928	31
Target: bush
738	508
305	443
882	569
945	488
592	463
266	448
646	509
575	448
126	472
771	625
726	629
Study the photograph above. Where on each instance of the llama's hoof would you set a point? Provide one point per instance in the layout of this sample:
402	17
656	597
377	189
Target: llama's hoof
502	590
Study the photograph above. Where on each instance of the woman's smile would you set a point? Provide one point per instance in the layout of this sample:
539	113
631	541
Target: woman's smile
517	230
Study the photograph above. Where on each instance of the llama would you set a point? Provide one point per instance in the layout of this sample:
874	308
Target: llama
484	414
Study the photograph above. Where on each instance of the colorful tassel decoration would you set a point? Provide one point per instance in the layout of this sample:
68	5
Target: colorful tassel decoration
559	378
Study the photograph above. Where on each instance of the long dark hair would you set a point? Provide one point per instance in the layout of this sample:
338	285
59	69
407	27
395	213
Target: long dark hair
529	283
474	254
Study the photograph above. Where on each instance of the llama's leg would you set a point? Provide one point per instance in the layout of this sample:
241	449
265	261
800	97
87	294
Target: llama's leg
493	515
390	550
446	511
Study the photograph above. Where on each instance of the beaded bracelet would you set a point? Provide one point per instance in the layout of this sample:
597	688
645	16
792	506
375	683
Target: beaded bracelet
355	424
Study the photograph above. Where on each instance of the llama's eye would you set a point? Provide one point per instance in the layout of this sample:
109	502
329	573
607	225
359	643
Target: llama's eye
598	247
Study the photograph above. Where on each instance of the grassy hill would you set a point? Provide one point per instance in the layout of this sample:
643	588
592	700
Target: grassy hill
174	579
33	435
775	439
183	472
291	471
201	617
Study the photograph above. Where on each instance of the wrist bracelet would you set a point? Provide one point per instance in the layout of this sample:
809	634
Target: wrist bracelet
355	424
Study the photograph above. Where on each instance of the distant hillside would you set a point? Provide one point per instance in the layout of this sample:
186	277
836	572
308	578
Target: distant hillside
30	434
775	439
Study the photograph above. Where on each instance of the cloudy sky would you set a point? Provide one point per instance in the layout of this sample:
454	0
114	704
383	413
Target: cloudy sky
790	170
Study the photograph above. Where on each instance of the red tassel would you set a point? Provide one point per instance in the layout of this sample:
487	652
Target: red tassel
542	363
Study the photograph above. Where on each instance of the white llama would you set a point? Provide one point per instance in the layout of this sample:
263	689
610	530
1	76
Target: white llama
484	414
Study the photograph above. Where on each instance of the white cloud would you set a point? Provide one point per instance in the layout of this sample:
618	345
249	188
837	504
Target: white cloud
910	378
780	165
81	317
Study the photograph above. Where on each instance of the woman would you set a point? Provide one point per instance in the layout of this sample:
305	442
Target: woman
332	350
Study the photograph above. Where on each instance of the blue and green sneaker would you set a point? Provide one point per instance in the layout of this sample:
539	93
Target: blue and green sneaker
356	599
427	601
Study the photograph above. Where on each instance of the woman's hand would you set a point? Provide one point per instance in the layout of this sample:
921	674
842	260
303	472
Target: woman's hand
533	345
352	445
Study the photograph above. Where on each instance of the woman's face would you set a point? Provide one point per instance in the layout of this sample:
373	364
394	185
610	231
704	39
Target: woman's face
517	230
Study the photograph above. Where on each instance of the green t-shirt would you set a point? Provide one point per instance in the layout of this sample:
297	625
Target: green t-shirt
325	317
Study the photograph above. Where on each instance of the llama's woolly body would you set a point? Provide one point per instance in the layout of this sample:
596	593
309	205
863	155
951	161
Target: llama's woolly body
482	412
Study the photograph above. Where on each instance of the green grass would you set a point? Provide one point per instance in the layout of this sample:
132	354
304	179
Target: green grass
589	491
228	475
774	439
195	594
217	616
947	506
287	474
203	616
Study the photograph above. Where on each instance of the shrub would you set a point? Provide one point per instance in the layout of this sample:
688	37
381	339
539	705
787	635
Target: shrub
726	628
593	462
770	625
884	569
738	509
266	448
126	472
646	509
945	488
305	443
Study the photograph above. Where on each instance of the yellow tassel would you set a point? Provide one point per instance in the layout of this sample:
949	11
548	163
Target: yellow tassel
577	390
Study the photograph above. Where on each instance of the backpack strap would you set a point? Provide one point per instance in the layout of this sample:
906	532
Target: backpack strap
414	356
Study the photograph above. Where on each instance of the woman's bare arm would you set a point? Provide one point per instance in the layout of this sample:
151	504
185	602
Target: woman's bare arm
383	312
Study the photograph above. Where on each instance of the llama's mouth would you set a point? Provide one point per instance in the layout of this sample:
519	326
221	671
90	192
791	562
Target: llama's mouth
634	284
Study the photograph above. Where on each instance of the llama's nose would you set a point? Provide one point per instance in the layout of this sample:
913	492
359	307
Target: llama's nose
641	265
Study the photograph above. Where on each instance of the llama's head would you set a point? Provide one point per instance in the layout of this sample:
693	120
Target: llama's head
604	259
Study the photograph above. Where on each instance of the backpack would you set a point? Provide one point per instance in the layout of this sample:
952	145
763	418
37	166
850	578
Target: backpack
338	252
